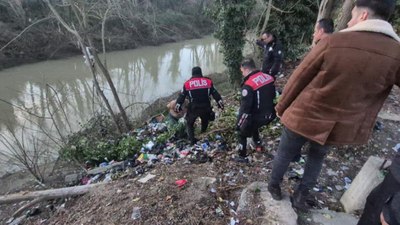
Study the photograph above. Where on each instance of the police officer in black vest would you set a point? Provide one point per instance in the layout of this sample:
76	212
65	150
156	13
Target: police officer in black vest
256	106
273	54
198	89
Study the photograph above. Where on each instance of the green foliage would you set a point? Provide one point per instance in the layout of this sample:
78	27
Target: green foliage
97	142
174	130
85	149
396	17
294	27
231	17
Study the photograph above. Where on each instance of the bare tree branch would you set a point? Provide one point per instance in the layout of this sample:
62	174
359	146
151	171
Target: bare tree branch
23	31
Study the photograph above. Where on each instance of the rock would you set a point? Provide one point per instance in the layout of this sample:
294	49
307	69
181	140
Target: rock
331	173
389	116
71	179
277	212
339	188
204	182
327	217
366	180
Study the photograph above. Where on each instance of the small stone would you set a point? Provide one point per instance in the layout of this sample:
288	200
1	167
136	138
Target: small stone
339	188
330	172
344	168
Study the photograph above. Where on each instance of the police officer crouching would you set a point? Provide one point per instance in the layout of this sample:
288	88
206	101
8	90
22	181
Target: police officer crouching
198	89
256	106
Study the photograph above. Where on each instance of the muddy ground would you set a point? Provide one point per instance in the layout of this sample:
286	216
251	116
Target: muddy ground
202	201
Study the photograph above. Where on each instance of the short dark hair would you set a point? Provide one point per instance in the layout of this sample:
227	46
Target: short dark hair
381	8
248	63
269	34
197	71
391	209
326	24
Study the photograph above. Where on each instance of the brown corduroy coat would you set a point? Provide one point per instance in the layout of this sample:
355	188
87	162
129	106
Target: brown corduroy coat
335	94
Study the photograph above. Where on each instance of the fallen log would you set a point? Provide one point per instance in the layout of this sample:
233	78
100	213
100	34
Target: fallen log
28	205
48	194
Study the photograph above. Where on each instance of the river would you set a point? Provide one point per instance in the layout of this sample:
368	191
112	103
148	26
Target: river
35	96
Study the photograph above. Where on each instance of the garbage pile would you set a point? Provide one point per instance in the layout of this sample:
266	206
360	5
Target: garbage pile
161	144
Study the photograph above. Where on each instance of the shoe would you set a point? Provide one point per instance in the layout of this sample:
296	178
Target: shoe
241	159
275	191
299	200
194	141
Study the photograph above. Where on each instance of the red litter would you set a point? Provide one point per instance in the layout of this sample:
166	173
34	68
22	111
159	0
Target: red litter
181	183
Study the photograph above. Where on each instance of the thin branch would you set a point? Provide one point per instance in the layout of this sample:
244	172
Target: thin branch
23	31
24	110
60	105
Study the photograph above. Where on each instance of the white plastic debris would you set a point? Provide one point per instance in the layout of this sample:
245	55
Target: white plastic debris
135	213
396	148
146	178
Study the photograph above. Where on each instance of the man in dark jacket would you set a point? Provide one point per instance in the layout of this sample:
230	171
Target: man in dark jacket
273	54
323	28
335	94
391	210
256	105
198	89
376	199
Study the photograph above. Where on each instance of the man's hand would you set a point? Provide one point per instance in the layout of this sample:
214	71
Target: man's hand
178	108
277	114
220	104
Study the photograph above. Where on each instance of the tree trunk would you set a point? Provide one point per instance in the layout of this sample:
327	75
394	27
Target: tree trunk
112	86
325	9
98	89
267	15
344	15
48	194
81	42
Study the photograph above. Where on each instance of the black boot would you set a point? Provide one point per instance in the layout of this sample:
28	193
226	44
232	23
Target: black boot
275	191
190	133
299	199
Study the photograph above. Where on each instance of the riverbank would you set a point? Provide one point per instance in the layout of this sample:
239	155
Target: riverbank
96	130
30	35
214	186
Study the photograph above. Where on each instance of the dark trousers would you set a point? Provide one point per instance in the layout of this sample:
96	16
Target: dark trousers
376	199
243	139
192	115
290	146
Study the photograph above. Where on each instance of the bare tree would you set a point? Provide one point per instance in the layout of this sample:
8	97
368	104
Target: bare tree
90	54
15	6
345	14
28	152
326	9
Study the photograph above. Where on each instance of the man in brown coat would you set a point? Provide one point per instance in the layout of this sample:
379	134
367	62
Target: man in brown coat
335	94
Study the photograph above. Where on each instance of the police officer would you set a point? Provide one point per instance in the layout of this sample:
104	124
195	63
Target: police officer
256	106
198	89
273	54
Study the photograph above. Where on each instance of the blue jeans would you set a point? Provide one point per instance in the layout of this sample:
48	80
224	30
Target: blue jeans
290	146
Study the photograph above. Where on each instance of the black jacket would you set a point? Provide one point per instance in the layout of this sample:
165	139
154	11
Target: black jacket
198	89
395	167
273	57
258	94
